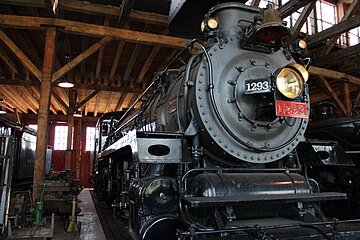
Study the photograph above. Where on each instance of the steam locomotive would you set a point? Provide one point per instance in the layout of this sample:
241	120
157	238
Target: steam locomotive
212	152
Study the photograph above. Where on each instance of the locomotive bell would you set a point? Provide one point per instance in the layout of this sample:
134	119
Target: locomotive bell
271	28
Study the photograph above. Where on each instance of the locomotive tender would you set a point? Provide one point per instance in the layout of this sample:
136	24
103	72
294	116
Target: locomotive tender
212	152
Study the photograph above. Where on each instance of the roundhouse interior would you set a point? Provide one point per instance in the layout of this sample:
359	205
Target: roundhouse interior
110	51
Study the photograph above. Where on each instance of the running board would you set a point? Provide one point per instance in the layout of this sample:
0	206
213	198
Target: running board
283	198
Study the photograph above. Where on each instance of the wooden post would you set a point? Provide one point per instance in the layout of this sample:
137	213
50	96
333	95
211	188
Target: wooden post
78	147
345	95
70	128
44	104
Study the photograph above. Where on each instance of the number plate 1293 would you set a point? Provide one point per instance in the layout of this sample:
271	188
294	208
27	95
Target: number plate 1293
257	86
291	109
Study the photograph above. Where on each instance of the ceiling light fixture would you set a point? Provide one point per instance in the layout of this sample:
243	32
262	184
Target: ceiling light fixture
66	84
2	109
77	114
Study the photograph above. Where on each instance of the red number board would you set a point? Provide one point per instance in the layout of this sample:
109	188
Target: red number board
291	109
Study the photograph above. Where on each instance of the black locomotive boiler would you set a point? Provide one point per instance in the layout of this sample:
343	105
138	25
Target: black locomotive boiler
212	152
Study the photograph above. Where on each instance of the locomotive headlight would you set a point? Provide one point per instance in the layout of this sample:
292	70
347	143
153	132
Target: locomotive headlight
290	80
209	24
202	26
212	23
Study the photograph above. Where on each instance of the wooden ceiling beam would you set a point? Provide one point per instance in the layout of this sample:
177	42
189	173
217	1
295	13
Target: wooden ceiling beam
22	57
94	9
334	75
337	56
87	53
335	30
5	81
19	100
331	43
85	100
292	6
111	11
328	89
92	30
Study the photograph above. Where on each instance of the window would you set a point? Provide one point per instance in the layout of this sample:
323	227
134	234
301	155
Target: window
60	141
354	36
326	15
309	25
33	126
90	139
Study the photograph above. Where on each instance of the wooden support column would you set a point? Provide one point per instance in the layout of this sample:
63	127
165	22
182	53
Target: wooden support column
78	149
345	96
43	114
70	115
255	3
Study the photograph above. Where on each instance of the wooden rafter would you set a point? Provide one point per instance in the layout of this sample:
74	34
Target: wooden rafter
85	100
29	98
6	59
73	63
23	98
101	53
22	57
116	61
59	100
331	43
328	89
108	102
91	30
23	38
86	105
98	97
17	116
129	68
118	105
9	98
148	62
125	9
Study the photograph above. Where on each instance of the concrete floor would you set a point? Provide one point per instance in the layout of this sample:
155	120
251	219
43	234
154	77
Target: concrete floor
90	229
